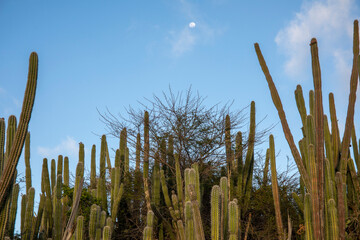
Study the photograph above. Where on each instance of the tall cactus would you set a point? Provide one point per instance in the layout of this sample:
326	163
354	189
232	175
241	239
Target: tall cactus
14	155
28	221
58	228
27	162
275	189
146	160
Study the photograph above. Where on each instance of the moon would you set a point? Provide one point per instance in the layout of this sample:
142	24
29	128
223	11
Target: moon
192	25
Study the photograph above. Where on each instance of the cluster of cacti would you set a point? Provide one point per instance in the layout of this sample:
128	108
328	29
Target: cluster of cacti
329	184
240	173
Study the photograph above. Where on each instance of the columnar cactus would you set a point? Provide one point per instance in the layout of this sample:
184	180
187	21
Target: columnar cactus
80	228
106	233
27	162
189	222
215	212
66	171
8	173
53	174
233	221
224	206
275	188
148	231
146	159
58	228
28	221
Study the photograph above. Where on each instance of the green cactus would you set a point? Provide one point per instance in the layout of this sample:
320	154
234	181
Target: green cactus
27	162
93	168
334	231
60	165
215	212
106	233
38	218
138	181
233	220
28	220
9	169
92	222
102	196
224	206
78	177
146	160
196	181
122	148
45	179
189	222
148	231
58	228
82	156
115	208
199	232
179	184
66	171
13	210
23	212
156	181
266	167
275	189
53	174
80	228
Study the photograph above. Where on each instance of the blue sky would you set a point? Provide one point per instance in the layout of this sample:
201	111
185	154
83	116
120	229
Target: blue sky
98	54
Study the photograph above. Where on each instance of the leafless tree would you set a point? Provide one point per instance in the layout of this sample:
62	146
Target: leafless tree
197	129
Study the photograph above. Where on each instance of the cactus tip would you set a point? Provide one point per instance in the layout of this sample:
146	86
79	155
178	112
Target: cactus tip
313	41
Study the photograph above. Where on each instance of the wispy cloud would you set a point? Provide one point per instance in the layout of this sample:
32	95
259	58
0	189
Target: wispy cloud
330	21
68	147
183	41
185	38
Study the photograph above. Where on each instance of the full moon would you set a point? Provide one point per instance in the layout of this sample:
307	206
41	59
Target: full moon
192	25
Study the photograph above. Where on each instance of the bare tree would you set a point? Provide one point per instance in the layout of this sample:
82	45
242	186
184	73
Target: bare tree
198	130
